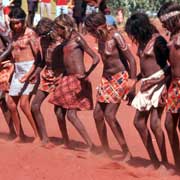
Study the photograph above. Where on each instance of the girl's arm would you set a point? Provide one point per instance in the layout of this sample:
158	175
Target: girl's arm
95	58
7	43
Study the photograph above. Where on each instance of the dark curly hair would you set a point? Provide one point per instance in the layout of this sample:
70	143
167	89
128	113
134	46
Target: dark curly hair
139	28
94	20
44	26
17	13
65	20
173	23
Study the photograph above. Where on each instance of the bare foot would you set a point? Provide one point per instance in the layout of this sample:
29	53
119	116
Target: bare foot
37	140
12	136
69	146
47	145
164	170
151	167
18	139
127	157
95	150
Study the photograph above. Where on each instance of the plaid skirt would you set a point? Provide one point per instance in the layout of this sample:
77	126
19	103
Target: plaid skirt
72	93
6	70
47	80
173	101
113	88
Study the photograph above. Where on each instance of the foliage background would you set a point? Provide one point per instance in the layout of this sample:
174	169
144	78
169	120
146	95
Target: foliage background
130	6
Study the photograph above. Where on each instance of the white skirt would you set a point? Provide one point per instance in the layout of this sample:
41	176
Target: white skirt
143	101
16	87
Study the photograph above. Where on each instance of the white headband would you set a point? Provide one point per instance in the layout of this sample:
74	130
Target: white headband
169	15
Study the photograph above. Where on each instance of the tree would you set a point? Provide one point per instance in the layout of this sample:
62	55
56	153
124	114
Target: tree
130	6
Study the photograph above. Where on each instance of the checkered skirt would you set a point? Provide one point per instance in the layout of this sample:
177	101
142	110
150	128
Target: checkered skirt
6	70
113	88
72	93
173	100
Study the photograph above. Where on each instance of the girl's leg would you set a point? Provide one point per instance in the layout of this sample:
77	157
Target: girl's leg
155	123
110	116
12	102
38	117
25	106
140	122
73	118
100	125
8	117
60	114
171	124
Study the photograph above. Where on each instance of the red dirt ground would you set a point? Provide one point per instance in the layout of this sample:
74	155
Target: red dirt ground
32	162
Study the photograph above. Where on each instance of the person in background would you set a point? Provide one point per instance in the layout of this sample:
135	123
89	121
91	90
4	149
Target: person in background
101	4
2	21
45	5
61	7
6	10
17	3
110	20
79	13
120	16
91	6
32	8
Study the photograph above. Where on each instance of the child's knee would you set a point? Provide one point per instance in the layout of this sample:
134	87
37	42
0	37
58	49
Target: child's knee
35	107
155	124
139	125
109	116
24	104
169	125
70	115
11	105
98	116
59	113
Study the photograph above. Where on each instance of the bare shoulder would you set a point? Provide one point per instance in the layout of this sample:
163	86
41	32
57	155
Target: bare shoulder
30	32
78	37
118	37
176	40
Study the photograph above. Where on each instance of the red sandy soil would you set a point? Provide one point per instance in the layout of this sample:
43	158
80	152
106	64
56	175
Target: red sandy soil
31	162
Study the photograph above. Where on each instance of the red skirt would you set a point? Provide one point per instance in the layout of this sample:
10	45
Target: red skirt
47	80
6	70
173	100
72	93
113	88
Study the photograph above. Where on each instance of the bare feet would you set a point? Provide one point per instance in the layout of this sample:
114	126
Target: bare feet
47	145
12	136
69	146
165	170
18	139
95	150
37	140
127	157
